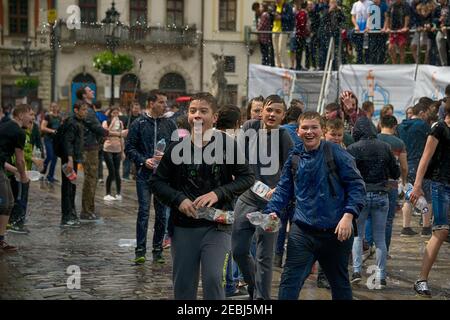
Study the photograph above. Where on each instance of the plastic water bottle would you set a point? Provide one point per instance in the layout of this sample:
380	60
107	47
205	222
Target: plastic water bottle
264	221
37	153
216	215
71	175
421	204
127	243
159	151
260	189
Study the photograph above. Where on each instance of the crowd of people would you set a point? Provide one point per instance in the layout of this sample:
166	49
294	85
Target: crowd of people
296	34
334	191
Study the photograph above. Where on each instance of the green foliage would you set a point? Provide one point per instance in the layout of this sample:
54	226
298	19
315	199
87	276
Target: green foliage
113	64
27	83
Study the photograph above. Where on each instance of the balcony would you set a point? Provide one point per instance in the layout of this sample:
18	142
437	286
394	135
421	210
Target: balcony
93	34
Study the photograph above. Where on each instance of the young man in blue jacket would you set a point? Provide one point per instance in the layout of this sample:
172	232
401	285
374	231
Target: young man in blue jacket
143	135
326	202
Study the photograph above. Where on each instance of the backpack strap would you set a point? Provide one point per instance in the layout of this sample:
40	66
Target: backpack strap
331	165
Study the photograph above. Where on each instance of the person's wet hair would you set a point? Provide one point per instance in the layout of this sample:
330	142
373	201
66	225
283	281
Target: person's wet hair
292	114
249	105
228	117
312	115
334	124
208	98
274	98
388	122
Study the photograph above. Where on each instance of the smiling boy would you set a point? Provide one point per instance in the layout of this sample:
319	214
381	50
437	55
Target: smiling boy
188	185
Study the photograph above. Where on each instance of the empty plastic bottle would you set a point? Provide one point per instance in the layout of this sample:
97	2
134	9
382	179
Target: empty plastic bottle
421	204
159	151
260	189
265	221
216	215
71	175
127	242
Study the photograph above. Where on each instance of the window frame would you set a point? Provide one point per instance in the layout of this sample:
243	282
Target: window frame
224	25
91	7
139	11
18	17
173	13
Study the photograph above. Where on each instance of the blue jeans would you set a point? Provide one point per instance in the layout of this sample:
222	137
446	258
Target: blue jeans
304	248
393	195
377	206
126	168
50	159
230	286
285	218
440	193
144	195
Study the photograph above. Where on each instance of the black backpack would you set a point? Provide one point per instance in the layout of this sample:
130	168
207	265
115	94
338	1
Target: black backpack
58	140
332	172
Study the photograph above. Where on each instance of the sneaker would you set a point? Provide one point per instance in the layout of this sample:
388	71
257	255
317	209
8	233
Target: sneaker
322	282
71	223
166	243
5	247
421	287
88	217
277	261
237	292
19	229
139	260
356	277
118	197
381	284
158	257
100	181
408	232
426	232
109	197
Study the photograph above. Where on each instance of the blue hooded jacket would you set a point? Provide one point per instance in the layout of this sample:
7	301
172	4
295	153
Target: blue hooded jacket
314	204
414	133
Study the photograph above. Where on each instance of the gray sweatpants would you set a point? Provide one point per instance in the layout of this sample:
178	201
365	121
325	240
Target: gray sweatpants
257	274
205	248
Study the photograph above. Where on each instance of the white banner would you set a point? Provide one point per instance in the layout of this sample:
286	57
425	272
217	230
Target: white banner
289	84
381	84
431	82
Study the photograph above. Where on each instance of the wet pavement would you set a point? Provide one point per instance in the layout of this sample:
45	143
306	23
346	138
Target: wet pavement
39	270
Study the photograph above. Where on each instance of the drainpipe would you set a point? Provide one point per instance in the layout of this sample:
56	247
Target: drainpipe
201	45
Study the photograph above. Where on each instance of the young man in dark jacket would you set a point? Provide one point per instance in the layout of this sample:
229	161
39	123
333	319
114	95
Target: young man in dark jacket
72	154
377	165
262	138
325	205
140	147
187	182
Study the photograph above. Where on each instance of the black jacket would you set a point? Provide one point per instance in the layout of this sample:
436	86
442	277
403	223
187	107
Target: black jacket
143	135
93	130
373	157
73	139
173	183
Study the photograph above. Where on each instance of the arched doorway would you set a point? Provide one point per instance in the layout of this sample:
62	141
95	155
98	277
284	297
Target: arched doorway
173	84
80	80
128	84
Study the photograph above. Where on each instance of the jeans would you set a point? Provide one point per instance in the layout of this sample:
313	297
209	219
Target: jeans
377	206
20	193
311	52
68	191
113	163
358	40
144	195
51	159
440	194
301	45
393	195
377	48
231	282
267	54
281	239
304	248
126	168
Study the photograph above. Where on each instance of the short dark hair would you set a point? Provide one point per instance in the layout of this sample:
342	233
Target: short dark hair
228	116
207	97
419	107
274	98
20	109
255	6
153	95
426	101
80	92
98	105
78	104
249	105
367	106
293	113
332	106
447	109
388	122
312	115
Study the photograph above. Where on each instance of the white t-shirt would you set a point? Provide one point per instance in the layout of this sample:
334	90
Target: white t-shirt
360	9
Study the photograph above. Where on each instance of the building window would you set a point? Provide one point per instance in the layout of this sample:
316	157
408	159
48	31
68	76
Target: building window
227	15
88	10
175	12
138	12
18	17
232	93
230	64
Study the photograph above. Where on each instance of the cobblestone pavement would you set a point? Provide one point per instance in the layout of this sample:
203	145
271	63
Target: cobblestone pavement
39	269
